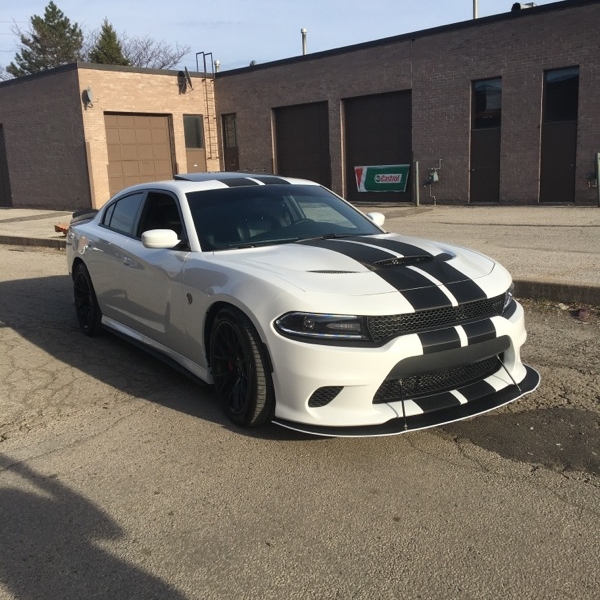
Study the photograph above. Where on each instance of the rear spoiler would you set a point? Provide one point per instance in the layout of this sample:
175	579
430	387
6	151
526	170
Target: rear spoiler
86	214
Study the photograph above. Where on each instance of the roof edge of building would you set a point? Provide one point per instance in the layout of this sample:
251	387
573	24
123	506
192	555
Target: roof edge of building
422	33
97	67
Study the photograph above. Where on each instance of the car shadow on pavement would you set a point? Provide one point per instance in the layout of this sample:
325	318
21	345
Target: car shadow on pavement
42	311
561	439
49	544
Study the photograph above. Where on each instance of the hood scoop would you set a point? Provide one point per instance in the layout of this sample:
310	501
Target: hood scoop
410	260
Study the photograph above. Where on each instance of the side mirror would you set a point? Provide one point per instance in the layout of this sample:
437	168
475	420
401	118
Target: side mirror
160	239
377	218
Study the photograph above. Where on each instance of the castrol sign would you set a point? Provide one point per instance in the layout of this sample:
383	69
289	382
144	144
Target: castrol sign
382	178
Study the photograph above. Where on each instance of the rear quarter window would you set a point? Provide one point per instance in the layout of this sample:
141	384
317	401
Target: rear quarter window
122	215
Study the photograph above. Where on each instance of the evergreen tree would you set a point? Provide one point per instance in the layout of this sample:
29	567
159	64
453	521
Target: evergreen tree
51	42
107	49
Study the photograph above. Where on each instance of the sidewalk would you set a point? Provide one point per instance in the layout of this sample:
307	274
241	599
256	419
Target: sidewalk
551	252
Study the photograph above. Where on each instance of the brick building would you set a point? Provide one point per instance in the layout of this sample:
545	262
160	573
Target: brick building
508	105
503	109
72	136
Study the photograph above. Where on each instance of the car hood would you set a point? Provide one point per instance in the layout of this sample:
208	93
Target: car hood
364	265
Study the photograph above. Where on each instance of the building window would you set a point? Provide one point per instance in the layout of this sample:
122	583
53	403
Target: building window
561	95
193	128
229	131
487	103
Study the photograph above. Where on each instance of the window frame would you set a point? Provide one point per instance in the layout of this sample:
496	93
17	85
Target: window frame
112	207
229	130
198	132
550	118
477	120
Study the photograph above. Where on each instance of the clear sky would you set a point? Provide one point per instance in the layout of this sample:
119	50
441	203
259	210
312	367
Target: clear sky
240	31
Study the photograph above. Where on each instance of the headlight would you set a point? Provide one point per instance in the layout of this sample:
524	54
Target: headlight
508	297
322	327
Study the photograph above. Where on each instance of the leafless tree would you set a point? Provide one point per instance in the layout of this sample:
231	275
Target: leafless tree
151	53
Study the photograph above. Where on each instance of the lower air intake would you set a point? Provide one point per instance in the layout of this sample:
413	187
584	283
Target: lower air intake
425	384
324	396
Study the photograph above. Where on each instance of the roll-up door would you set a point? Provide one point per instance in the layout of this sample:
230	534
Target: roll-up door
302	134
139	149
378	132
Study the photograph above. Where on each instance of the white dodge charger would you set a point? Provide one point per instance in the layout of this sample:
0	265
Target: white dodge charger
297	307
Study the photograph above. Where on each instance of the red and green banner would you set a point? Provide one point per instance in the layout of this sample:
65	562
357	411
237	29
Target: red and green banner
382	178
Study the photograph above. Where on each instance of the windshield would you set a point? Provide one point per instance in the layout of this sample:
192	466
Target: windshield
262	215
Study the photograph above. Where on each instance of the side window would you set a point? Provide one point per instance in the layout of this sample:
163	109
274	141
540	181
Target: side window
160	212
121	215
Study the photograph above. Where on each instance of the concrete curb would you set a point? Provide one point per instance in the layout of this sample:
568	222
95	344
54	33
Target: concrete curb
558	292
11	240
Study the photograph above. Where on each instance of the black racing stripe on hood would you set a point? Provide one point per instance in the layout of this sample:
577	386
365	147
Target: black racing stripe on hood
394	245
423	298
420	291
462	288
359	252
466	291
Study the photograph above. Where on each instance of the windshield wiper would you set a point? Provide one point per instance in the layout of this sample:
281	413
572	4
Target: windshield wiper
261	243
329	236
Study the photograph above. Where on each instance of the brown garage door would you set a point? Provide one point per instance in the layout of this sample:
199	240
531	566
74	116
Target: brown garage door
139	149
303	142
378	132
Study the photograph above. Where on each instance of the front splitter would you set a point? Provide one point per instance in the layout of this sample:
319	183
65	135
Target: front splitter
424	421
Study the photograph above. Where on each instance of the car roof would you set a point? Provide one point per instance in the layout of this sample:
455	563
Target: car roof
237	179
199	182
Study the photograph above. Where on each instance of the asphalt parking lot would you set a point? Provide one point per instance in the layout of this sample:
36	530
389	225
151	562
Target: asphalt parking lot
120	478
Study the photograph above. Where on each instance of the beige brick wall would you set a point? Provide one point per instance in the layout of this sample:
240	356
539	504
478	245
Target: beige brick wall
129	91
41	118
56	145
439	66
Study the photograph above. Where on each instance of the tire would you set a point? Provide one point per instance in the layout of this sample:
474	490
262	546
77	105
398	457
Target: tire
86	304
238	359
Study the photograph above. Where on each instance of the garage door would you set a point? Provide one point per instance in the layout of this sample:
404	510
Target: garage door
302	135
378	132
139	149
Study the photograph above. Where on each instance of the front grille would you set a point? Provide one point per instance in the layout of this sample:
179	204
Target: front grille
324	396
389	326
426	384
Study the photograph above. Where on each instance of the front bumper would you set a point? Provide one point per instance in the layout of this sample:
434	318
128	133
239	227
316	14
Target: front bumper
367	390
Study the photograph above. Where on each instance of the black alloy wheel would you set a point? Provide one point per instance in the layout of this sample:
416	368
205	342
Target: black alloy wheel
86	304
238	361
